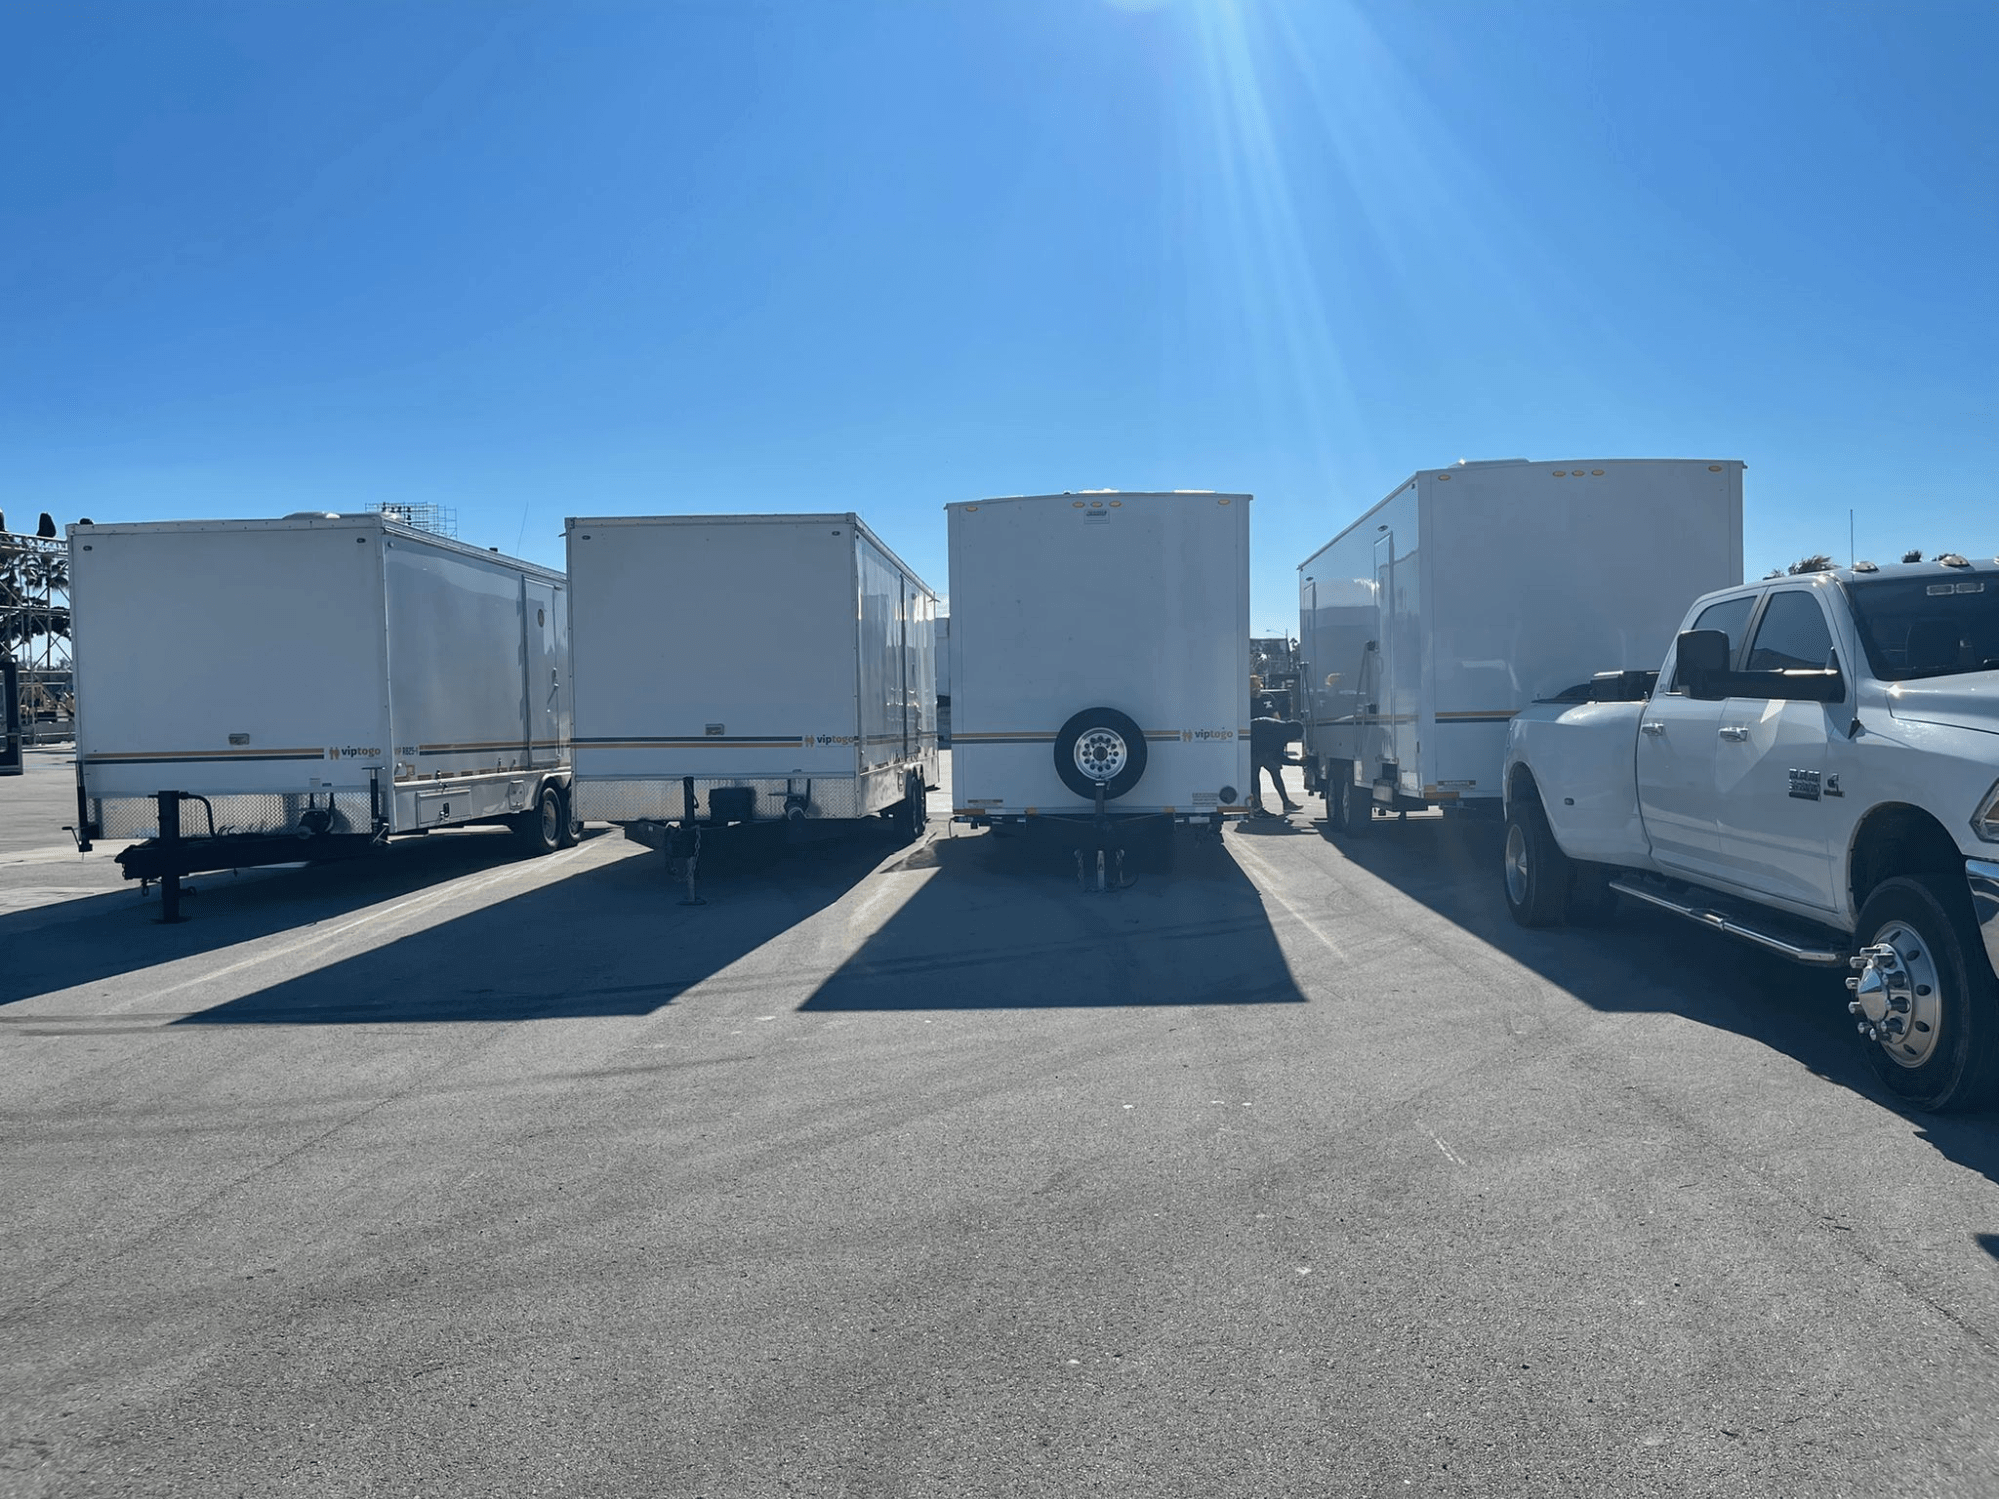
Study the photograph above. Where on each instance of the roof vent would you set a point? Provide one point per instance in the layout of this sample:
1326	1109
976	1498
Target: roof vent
313	515
1952	560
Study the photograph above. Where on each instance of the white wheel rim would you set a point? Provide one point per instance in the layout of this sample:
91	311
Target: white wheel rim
551	819
1101	754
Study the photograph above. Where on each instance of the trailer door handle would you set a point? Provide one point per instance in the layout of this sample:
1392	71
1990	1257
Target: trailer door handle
1737	732
1652	726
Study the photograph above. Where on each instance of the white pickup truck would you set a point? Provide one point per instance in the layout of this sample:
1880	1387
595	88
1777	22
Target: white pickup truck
1814	768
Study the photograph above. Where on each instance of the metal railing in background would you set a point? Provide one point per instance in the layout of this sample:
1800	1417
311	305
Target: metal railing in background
35	633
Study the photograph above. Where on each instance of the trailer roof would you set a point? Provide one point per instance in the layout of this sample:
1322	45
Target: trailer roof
321	521
789	518
1556	467
1072	496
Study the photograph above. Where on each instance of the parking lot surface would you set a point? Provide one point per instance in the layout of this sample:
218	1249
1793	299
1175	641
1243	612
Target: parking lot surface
1295	1169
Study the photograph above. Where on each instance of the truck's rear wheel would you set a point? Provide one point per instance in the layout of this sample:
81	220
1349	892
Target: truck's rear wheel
1350	809
541	826
1537	872
1925	999
572	826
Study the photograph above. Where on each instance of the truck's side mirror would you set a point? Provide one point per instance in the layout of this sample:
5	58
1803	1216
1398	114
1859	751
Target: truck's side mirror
1701	662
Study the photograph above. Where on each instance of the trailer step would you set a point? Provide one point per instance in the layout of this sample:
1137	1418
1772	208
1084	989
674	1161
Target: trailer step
1798	943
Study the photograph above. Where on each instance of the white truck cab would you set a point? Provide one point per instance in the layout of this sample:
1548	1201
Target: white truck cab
1816	769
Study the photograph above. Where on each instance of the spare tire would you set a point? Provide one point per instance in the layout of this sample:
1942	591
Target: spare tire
1100	745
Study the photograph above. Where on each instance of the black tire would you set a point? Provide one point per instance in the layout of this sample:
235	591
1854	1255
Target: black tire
1945	1057
572	826
1349	811
1592	903
1108	734
541	826
1536	873
912	814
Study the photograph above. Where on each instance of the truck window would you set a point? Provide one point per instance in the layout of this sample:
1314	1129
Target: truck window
1729	615
1792	635
1929	626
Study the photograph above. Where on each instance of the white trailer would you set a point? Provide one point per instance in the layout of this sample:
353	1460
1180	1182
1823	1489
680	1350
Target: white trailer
738	670
263	692
1475	590
1100	662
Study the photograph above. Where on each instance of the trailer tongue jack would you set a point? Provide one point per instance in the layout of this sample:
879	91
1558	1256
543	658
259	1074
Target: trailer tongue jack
1101	845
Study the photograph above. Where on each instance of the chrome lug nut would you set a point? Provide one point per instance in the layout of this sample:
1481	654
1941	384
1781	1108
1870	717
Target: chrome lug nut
1853	981
1854	1007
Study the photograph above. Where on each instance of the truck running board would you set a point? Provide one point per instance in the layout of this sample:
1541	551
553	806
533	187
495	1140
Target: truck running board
1702	907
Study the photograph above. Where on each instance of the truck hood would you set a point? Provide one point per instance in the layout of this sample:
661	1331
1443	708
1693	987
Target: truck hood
1969	700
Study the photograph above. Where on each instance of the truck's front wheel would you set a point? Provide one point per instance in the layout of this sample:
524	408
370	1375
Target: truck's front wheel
1537	872
1925	999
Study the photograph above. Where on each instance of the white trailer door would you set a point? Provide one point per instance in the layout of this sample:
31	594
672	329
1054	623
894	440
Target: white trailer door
546	691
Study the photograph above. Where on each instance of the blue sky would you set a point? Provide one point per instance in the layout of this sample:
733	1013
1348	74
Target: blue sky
541	260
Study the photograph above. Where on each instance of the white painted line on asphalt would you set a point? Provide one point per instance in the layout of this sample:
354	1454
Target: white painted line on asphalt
1441	1146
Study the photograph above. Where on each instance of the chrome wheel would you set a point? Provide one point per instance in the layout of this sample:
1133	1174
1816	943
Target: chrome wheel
1101	754
1517	874
551	820
1897	996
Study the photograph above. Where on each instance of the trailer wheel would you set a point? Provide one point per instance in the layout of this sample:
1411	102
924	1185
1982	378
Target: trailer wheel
1537	872
541	826
1925	999
572	826
913	815
1346	809
1100	745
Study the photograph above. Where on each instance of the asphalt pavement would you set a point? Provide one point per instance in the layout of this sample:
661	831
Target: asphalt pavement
1296	1168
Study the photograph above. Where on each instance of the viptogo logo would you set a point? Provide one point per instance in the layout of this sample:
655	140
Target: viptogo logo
352	752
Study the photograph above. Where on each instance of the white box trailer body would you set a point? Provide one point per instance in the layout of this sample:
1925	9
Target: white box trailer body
332	674
1064	605
790	657
1475	590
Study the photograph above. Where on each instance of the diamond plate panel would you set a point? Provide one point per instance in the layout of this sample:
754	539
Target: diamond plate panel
624	800
139	817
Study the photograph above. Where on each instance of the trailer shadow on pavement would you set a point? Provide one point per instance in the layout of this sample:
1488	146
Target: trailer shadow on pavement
57	945
1650	961
1000	923
610	940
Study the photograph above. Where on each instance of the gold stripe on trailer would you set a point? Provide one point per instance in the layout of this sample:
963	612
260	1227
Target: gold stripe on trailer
118	756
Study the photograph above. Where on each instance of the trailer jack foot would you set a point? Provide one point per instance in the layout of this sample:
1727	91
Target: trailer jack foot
688	862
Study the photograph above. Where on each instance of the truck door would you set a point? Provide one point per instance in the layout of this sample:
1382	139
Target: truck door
1677	740
1774	827
542	629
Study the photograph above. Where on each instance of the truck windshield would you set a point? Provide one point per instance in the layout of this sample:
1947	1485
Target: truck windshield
1929	627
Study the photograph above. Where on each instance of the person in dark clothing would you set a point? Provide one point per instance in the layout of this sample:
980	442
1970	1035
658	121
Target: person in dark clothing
1267	739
